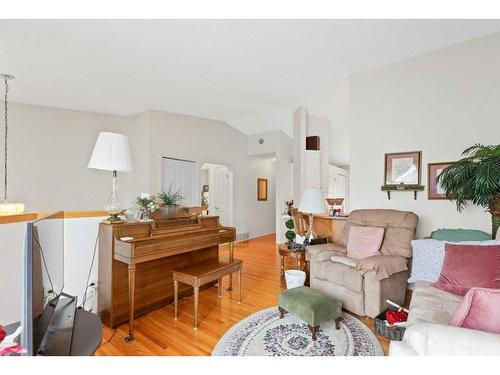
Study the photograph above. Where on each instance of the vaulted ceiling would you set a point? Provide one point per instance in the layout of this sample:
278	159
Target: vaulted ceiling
222	69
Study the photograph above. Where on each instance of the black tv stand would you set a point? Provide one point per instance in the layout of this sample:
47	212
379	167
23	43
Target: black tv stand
53	332
87	333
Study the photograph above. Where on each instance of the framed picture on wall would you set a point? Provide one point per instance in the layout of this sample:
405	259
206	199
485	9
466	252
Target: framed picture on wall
262	189
402	168
435	191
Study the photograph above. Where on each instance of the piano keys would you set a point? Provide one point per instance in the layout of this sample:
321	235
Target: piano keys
136	262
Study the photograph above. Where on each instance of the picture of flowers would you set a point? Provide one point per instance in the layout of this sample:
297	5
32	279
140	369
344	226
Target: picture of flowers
435	190
402	168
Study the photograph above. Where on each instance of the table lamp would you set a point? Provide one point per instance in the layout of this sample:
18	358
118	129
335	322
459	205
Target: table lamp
112	153
312	202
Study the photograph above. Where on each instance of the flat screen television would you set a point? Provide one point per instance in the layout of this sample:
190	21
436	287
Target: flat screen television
47	313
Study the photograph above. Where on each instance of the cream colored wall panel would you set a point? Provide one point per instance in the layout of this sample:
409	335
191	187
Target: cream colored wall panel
439	103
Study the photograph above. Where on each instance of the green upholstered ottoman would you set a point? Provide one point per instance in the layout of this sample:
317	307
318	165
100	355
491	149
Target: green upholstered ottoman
312	306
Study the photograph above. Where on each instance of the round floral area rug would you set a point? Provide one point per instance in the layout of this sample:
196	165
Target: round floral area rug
265	334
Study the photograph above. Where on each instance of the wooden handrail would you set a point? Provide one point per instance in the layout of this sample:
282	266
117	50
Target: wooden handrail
7	219
77	214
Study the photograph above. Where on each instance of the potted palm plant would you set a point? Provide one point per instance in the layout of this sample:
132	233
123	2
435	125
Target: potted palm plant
475	178
170	202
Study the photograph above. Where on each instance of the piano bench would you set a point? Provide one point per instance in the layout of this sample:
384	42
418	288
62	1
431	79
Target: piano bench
203	273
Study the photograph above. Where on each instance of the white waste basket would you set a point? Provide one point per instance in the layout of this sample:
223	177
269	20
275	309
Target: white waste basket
294	278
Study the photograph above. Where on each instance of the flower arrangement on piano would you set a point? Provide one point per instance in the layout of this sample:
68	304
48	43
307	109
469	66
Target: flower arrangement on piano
150	204
147	204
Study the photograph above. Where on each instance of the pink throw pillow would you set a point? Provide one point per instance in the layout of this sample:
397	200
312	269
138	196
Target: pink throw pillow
479	309
468	266
364	242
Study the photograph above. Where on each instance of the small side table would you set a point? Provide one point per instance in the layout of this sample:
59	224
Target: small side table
300	256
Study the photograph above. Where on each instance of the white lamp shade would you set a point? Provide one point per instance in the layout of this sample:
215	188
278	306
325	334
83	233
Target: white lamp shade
111	153
312	201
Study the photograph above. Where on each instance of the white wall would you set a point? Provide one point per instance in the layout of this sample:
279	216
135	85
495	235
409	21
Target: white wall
49	149
284	181
79	237
440	103
203	141
277	143
299	147
333	102
320	126
340	118
140	136
11	250
261	218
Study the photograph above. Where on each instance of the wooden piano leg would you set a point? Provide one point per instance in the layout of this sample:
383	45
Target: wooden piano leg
196	304
282	266
176	297
239	285
131	300
231	258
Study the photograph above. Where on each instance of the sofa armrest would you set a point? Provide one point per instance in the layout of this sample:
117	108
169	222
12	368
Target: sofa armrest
320	253
383	265
438	339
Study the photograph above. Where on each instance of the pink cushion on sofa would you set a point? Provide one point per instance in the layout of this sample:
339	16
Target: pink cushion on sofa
468	266
364	242
479	309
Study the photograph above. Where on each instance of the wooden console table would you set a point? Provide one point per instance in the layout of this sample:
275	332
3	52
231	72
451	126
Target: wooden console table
204	273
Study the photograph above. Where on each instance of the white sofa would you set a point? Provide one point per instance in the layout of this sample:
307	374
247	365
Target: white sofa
428	332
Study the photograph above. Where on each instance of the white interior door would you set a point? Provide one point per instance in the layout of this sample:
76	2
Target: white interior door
339	185
181	176
221	201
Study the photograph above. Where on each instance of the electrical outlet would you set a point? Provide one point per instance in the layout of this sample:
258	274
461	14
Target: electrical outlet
92	296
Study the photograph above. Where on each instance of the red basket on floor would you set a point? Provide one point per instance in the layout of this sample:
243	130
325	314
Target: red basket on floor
394	333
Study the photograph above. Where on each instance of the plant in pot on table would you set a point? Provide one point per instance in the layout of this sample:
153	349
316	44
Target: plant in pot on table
287	216
475	178
170	202
147	205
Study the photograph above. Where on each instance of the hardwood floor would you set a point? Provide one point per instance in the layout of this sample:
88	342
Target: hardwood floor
157	333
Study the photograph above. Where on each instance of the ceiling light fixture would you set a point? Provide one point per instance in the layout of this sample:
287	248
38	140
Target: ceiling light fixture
7	208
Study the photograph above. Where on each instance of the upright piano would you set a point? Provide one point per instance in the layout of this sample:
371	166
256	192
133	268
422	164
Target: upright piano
136	261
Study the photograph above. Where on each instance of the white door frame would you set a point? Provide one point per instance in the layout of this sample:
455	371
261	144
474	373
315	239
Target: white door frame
230	191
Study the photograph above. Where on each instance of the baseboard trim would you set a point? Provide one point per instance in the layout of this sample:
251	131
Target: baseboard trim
261	235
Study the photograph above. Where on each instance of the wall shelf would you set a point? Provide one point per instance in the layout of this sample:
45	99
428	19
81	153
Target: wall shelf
402	187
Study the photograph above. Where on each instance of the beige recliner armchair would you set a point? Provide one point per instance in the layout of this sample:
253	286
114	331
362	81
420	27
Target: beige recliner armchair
363	285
